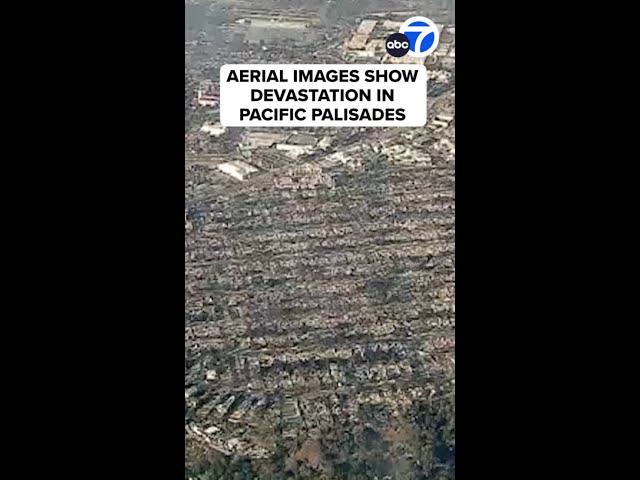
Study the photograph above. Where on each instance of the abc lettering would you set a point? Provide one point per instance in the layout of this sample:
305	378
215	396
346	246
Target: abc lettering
397	45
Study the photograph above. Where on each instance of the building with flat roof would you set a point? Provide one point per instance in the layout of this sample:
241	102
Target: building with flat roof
294	151
302	139
391	25
208	94
214	129
366	27
253	139
358	41
238	169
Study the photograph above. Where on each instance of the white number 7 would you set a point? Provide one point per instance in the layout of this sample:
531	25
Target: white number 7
423	33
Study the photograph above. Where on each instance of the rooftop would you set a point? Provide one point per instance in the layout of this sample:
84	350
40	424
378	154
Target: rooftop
366	27
263	139
302	139
237	169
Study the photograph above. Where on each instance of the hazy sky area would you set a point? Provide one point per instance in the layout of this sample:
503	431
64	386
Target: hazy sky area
211	13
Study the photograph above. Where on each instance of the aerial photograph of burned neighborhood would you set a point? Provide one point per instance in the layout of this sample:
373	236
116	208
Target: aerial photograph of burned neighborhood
319	262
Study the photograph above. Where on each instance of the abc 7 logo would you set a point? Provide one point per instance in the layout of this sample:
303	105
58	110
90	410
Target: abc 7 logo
397	45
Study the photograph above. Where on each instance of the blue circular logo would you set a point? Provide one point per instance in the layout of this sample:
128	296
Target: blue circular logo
423	36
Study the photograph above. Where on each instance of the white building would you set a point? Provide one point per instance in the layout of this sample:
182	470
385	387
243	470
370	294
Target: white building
259	139
294	151
238	169
207	100
215	129
366	27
